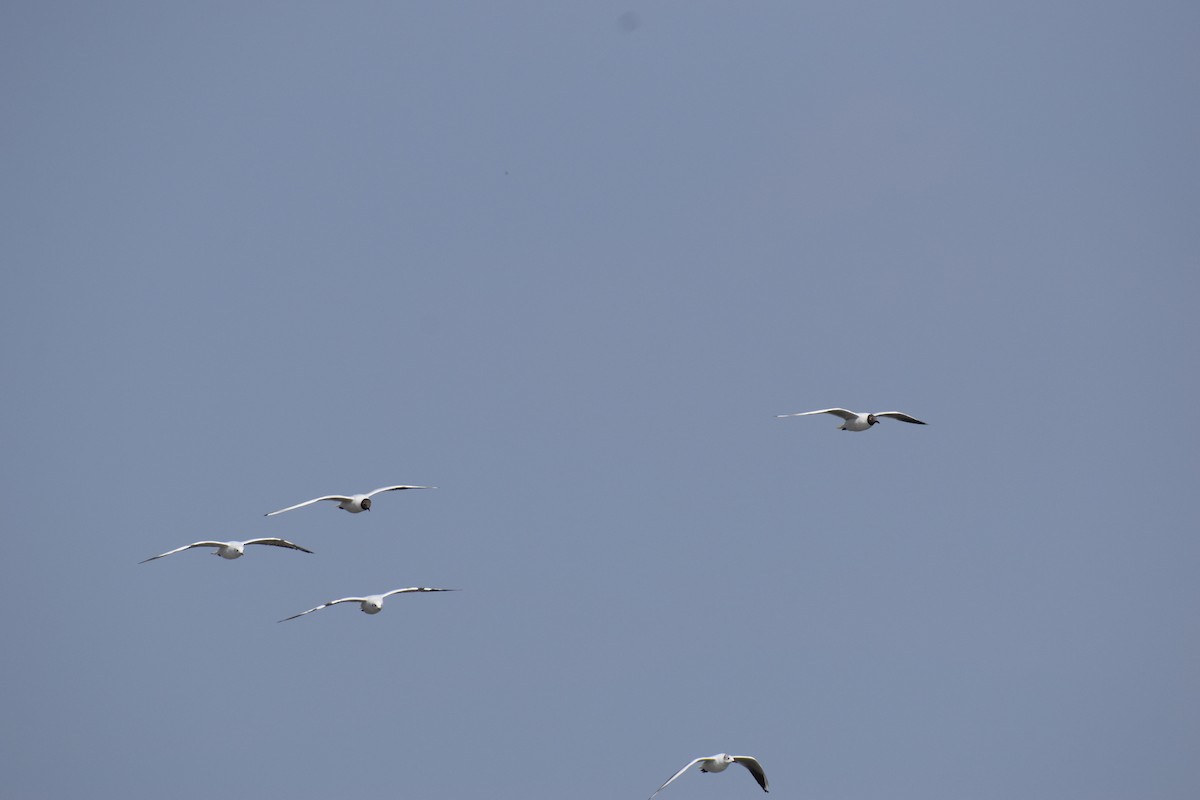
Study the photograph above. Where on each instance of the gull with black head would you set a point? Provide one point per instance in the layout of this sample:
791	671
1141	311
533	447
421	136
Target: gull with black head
354	503
853	421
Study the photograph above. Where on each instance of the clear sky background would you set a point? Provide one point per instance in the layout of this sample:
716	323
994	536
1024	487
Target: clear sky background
567	261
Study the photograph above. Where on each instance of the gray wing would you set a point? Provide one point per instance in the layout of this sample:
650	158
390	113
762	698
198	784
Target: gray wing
276	542
691	764
416	589
751	763
396	489
325	605
900	416
837	412
185	547
338	497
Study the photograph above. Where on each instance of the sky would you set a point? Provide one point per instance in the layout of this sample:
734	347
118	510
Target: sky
567	262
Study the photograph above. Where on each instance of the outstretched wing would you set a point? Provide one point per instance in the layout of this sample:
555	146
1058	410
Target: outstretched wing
396	489
691	764
837	412
338	497
751	763
274	541
185	547
416	589
325	605
900	416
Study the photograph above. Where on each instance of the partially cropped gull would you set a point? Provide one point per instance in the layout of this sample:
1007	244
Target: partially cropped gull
855	421
231	550
718	763
354	503
371	604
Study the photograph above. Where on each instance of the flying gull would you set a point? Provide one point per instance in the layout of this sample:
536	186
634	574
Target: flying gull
718	763
855	421
372	604
231	550
353	503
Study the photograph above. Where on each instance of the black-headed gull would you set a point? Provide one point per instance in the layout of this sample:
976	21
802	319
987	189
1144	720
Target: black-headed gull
371	604
353	503
718	763
855	421
231	550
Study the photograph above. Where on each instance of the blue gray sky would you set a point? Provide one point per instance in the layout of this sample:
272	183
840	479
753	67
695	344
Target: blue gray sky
567	261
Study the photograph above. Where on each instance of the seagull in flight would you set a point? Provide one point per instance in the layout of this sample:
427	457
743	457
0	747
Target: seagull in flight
231	550
718	763
855	421
353	503
372	604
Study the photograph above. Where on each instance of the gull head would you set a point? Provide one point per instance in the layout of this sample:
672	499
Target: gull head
871	420
366	504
